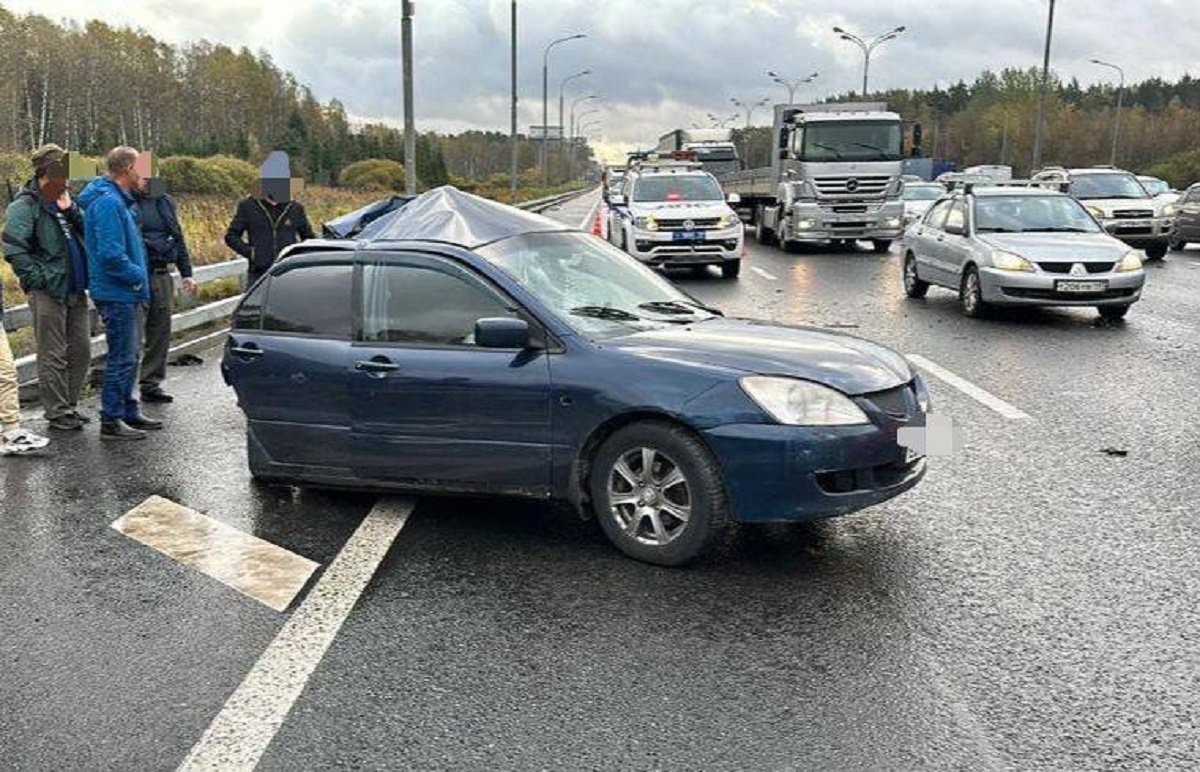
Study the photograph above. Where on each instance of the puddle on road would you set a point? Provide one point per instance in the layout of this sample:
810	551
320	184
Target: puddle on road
254	567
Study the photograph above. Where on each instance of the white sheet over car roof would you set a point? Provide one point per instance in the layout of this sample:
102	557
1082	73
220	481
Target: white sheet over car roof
449	215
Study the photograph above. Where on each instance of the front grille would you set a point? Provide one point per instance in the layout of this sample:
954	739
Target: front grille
1066	267
698	223
893	401
1041	294
1135	231
837	226
866	478
849	208
841	185
1132	214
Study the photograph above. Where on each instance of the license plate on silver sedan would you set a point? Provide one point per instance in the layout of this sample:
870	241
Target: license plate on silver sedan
1082	287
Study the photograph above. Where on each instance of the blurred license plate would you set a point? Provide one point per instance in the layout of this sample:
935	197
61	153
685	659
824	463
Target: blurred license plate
687	236
1080	286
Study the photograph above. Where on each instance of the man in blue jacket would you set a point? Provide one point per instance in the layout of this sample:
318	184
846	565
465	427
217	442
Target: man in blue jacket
119	283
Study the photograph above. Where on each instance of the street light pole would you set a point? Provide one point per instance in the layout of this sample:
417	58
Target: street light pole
1041	111
868	46
1112	160
410	131
561	86
512	184
749	108
545	103
791	84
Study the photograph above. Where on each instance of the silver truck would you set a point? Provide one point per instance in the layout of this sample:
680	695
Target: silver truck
835	175
713	149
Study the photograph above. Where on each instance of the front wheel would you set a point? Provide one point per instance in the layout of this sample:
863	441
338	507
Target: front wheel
881	245
1156	251
658	493
731	268
914	286
970	295
1177	245
1112	313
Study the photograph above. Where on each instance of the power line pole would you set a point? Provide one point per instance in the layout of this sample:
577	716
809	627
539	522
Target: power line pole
512	185
410	131
1041	111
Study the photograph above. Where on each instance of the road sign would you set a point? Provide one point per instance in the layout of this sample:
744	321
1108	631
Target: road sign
545	132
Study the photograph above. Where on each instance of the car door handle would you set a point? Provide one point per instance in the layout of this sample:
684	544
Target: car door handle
376	366
248	351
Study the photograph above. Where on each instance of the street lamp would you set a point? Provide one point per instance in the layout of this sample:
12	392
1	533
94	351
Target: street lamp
1116	119
867	47
575	104
563	83
749	108
545	105
791	84
1041	108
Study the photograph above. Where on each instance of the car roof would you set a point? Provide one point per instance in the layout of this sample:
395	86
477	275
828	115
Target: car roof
993	191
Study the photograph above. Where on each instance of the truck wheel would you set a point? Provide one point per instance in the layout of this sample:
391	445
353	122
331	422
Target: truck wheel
762	234
1156	251
731	268
881	245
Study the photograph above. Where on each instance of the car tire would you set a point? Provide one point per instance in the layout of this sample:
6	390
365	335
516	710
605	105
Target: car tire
1113	313
1156	251
1177	246
698	491
731	268
970	295
881	245
762	234
914	286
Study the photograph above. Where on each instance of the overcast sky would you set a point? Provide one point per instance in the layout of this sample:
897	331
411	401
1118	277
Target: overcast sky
659	64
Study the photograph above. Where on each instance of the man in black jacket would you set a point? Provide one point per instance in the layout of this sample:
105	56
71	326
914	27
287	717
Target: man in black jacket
165	246
273	220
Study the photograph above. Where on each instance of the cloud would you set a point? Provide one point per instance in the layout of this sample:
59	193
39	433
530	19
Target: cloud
659	64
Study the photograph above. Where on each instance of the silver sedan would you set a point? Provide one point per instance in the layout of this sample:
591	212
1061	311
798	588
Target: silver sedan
1020	247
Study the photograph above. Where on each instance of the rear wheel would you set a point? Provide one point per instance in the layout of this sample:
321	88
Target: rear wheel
914	286
658	493
970	295
1156	251
1112	313
731	268
881	245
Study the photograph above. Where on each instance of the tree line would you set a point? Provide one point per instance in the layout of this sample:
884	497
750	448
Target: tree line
92	86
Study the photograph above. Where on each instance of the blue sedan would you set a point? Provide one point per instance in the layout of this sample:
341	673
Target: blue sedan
463	346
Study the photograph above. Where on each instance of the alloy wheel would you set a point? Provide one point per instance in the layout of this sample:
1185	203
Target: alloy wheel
649	496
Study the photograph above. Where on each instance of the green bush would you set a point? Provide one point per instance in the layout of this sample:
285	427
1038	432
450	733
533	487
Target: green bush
1179	170
15	168
373	174
244	173
188	174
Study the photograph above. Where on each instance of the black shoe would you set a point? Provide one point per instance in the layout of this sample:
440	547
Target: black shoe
157	396
83	419
140	421
119	430
67	422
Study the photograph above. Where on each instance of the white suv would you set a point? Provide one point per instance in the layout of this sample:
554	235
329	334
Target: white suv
676	215
1122	206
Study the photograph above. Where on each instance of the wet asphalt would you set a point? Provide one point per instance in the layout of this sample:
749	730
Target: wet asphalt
1032	604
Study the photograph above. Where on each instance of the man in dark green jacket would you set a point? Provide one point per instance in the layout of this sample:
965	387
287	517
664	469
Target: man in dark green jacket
43	240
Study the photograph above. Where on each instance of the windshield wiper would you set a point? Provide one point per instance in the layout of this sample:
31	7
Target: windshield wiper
997	230
606	312
1055	230
823	146
679	307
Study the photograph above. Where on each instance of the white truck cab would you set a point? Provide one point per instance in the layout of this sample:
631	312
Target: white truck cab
675	214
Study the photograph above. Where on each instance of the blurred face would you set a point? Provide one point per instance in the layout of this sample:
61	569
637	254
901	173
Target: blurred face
53	185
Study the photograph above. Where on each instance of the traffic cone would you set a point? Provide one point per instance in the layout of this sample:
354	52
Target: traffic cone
597	226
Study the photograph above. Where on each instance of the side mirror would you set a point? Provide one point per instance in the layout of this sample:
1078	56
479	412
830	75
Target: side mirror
955	229
502	332
616	199
733	198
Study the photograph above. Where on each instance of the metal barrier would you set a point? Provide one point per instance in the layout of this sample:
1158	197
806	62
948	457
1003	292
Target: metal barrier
19	317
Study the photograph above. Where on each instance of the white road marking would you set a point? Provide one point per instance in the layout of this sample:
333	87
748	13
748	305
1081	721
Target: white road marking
256	710
252	566
764	274
981	396
588	221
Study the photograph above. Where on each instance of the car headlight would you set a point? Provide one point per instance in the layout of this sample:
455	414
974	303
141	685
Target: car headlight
802	403
647	223
1096	212
1131	262
892	222
1170	210
1007	261
727	220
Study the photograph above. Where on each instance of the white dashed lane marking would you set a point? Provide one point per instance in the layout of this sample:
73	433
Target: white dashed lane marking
253	714
983	397
254	567
766	275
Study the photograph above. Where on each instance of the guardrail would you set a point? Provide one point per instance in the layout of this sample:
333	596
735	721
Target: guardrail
19	317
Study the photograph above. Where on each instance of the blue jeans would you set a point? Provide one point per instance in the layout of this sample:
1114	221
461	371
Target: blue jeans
120	370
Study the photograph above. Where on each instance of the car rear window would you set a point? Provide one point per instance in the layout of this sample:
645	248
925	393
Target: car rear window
311	299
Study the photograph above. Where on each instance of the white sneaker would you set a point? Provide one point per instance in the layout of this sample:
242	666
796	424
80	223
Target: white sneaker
17	441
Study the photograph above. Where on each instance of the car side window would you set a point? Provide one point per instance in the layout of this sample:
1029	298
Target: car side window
957	216
248	315
311	298
937	215
425	304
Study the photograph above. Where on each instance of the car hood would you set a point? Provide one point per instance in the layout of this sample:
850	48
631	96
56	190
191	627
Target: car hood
1058	247
918	207
1110	205
681	209
849	364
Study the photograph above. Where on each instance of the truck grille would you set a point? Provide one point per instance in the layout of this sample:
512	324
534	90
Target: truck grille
850	185
1066	267
698	223
1132	214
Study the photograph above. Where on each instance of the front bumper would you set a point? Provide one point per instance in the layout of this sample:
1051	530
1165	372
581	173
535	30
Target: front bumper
812	222
1019	288
663	248
1141	233
776	473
